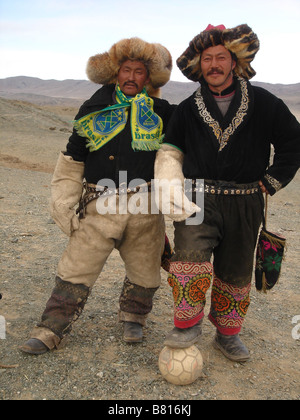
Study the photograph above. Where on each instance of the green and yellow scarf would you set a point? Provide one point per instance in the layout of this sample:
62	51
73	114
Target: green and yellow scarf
102	126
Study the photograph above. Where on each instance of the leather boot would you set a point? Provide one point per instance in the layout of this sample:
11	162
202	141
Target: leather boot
62	310
34	346
232	347
133	332
183	338
135	304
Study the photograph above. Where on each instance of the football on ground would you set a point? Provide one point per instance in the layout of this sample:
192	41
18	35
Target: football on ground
180	366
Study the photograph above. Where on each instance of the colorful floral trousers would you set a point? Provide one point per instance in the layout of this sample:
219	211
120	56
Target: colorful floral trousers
228	235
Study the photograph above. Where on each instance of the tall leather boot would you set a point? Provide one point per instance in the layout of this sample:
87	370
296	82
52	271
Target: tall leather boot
136	303
63	308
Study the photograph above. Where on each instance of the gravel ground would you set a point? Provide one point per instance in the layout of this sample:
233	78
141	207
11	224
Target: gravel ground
96	364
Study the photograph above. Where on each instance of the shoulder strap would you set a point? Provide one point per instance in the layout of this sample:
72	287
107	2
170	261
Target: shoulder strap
266	209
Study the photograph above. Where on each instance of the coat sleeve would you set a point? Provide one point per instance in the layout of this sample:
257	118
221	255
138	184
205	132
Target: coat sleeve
286	142
76	147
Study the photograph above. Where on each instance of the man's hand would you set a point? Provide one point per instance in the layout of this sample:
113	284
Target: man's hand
263	188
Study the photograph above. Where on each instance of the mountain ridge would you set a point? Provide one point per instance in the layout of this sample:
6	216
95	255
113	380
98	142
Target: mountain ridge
73	92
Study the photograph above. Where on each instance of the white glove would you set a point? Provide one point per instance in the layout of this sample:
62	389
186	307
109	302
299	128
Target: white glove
66	191
169	185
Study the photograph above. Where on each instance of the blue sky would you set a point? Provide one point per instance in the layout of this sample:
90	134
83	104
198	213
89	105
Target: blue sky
53	39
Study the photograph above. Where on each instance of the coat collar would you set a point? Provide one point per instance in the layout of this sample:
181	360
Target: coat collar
222	129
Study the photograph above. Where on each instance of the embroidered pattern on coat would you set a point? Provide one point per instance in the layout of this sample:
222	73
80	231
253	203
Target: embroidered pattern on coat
223	136
275	184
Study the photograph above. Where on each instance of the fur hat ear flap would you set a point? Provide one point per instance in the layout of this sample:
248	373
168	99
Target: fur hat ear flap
104	68
160	66
244	44
190	61
100	70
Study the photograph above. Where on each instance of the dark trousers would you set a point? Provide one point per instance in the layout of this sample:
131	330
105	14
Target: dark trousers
220	252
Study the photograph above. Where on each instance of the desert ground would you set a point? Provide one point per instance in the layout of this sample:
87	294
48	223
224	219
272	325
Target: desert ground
96	363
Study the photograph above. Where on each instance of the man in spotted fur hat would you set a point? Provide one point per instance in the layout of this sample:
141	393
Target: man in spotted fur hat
222	134
113	147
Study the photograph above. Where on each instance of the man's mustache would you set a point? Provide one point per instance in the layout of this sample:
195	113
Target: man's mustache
130	83
215	70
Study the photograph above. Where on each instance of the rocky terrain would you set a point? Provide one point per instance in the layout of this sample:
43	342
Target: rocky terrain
96	364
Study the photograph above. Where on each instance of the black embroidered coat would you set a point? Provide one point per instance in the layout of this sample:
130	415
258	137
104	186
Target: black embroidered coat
237	147
117	155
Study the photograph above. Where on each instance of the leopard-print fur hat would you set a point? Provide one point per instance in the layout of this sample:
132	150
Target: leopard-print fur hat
241	41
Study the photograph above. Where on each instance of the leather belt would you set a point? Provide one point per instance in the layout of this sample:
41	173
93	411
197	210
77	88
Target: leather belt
223	188
93	192
106	191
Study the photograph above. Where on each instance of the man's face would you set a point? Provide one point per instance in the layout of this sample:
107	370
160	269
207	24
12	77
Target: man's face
132	77
217	65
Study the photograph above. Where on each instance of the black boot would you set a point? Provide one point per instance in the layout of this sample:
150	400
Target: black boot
183	338
133	332
34	346
232	347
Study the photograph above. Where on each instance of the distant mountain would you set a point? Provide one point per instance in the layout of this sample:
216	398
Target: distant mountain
74	92
47	92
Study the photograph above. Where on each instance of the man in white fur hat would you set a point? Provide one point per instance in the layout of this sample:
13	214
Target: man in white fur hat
114	143
222	134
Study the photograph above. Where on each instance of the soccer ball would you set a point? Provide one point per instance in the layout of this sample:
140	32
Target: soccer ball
180	366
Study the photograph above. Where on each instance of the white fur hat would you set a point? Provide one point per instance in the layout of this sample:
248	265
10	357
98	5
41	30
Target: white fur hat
104	68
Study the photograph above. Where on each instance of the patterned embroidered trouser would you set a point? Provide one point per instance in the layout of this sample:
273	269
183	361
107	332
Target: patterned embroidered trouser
229	305
229	234
190	282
